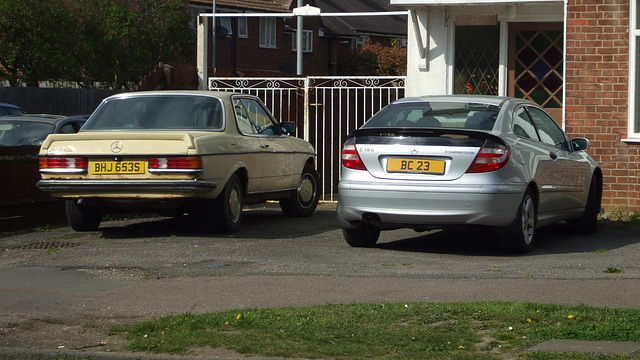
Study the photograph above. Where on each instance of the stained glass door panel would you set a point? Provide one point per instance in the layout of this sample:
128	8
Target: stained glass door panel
536	64
477	60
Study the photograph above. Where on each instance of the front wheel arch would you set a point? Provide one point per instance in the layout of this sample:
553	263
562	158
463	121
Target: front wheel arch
588	222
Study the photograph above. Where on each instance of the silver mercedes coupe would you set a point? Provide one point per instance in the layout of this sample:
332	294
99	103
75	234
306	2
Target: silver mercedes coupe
465	161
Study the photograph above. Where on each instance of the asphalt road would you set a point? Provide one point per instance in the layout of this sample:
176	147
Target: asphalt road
53	283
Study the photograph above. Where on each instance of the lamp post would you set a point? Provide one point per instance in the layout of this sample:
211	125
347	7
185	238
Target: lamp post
213	40
299	33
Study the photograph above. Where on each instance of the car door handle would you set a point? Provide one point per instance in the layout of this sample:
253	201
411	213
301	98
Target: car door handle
264	146
553	155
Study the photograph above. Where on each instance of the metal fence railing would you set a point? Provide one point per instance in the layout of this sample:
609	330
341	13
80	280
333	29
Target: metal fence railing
325	109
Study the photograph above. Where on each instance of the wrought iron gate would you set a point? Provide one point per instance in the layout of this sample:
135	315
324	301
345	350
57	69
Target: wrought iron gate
325	109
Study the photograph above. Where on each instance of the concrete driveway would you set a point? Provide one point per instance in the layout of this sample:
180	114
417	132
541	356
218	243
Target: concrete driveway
61	289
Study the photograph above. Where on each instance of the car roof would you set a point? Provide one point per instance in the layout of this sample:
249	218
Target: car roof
485	99
219	94
9	104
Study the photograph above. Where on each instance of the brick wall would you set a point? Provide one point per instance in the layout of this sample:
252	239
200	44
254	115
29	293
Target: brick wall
597	90
237	56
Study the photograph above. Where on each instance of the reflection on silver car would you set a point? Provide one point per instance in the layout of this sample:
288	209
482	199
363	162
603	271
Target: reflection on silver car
439	162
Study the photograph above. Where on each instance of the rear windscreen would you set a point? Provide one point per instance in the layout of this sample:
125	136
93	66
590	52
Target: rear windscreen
19	133
453	115
158	112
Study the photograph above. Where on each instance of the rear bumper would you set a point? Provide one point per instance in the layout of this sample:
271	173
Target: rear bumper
79	188
432	206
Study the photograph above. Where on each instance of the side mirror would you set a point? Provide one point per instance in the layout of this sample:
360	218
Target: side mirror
288	127
580	144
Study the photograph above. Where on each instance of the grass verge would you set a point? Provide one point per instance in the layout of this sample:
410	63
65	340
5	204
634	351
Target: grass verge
482	330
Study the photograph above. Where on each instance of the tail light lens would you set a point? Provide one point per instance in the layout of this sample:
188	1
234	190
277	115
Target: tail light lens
175	163
350	157
491	157
63	164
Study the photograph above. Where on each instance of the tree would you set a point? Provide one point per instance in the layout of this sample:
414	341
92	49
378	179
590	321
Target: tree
111	42
30	42
376	59
125	39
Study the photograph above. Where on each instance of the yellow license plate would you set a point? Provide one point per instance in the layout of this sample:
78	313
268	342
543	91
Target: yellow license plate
420	166
116	167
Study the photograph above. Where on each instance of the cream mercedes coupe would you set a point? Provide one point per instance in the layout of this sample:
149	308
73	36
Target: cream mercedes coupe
176	152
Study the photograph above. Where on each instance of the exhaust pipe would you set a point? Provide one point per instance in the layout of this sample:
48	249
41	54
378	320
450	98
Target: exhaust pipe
371	218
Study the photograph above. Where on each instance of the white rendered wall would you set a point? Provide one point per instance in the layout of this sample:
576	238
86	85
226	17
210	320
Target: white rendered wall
433	75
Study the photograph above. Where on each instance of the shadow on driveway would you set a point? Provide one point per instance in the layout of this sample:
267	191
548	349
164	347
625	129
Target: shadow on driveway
560	238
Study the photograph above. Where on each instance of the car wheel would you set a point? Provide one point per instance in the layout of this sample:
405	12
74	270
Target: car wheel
365	235
228	206
519	236
588	223
305	201
82	218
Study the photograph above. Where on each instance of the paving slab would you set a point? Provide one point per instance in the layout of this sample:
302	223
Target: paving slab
589	347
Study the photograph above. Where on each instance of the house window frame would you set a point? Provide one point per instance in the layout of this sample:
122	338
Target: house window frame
243	27
225	22
307	41
633	132
360	41
268	32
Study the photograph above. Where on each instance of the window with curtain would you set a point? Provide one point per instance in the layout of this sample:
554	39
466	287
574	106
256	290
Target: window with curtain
268	32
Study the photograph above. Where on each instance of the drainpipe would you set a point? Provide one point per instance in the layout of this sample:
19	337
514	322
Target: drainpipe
564	68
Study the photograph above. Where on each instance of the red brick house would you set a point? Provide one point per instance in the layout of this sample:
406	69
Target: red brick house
265	46
578	58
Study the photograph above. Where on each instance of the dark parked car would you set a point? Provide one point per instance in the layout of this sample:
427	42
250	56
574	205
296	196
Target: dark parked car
8	108
20	130
465	161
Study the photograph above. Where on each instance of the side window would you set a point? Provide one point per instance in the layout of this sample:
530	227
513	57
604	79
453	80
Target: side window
548	130
244	122
522	125
253	118
68	129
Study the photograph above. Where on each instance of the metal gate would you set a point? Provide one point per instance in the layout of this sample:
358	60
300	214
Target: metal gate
325	109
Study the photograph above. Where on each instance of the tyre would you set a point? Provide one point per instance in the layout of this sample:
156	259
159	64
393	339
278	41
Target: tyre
520	235
82	218
305	201
228	206
364	236
588	223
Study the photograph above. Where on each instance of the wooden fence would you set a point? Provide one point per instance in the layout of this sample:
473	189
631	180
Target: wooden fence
55	100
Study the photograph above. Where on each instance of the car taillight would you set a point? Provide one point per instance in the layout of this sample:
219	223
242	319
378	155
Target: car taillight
63	163
491	157
350	157
176	163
